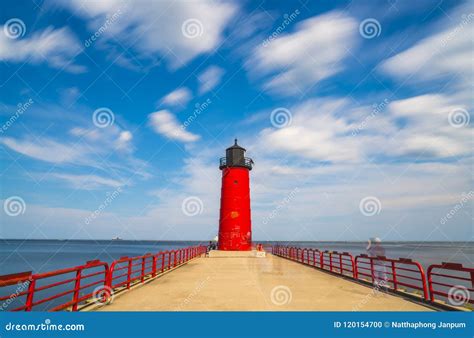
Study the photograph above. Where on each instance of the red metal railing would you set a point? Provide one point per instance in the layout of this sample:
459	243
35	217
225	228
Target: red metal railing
341	263
75	284
311	257
457	288
448	280
395	274
73	287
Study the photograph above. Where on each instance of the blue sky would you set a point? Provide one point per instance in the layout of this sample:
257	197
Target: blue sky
358	117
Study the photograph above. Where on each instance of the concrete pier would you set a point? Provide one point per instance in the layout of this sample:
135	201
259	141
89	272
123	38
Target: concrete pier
254	284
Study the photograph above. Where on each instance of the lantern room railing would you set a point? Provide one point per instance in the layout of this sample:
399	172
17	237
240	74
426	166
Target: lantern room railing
246	163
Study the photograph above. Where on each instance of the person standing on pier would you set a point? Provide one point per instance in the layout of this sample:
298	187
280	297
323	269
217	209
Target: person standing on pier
375	249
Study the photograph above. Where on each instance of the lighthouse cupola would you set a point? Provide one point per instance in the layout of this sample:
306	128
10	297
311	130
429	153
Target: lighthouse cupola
235	229
235	157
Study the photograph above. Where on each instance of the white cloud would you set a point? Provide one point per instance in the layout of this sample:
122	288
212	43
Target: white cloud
317	132
312	53
445	60
165	123
428	131
209	79
180	96
153	27
107	150
333	130
56	47
47	150
87	182
446	53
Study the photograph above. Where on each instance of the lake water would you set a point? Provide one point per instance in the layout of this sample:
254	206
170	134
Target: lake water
47	255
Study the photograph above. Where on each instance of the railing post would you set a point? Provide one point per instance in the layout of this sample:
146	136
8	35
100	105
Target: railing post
162	262
394	276
77	287
174	259
29	297
330	261
142	275
153	271
372	273
129	272
340	265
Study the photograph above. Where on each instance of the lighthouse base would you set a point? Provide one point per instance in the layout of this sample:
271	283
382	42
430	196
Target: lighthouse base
227	254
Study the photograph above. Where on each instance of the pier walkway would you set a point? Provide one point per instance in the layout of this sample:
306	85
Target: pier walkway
254	284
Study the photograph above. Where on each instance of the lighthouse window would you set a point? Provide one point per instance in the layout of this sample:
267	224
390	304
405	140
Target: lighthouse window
235	182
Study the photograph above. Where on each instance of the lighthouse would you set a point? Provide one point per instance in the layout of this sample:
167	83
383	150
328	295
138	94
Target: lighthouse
235	225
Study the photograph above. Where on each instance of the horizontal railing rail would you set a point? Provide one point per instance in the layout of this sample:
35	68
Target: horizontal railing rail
450	282
73	288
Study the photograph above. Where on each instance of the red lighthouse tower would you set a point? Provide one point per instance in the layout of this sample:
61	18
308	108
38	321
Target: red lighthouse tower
235	228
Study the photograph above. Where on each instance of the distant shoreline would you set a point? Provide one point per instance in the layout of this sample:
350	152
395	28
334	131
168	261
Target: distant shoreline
207	240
